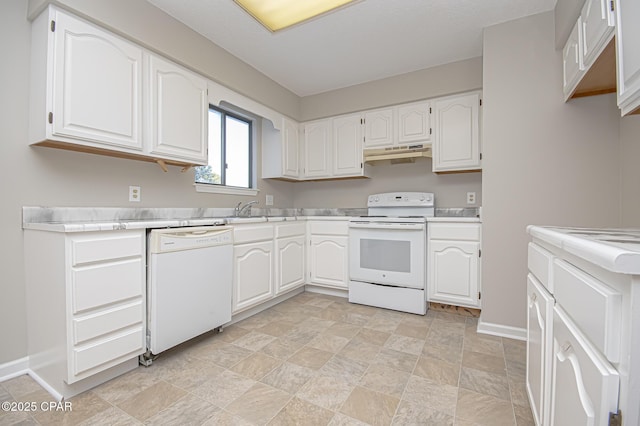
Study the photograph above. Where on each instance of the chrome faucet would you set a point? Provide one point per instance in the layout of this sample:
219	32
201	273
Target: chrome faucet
240	209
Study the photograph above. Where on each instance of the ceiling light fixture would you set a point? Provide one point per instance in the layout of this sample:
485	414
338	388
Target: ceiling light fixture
276	15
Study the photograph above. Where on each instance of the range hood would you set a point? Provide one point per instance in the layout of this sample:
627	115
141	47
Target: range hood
399	154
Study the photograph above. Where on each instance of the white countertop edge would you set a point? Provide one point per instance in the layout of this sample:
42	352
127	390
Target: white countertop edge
454	219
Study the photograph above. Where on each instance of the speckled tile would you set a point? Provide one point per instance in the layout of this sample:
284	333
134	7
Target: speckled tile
300	412
395	359
254	341
126	386
344	368
360	351
328	342
524	417
20	386
386	325
404	344
232	333
384	379
484	409
277	328
259	404
444	337
83	407
310	357
151	401
437	370
18	418
412	330
189	410
227	387
343	330
479	361
112	416
326	391
438	397
340	419
192	374
288	377
370	406
281	348
413	413
375	337
485	383
227	355
224	418
444	352
485	344
256	366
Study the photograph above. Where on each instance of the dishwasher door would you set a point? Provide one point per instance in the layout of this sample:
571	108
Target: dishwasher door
189	283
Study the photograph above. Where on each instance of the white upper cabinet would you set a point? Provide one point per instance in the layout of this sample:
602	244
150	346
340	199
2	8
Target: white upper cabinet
628	54
456	143
86	85
597	29
317	149
379	128
281	150
414	122
572	60
347	145
178	109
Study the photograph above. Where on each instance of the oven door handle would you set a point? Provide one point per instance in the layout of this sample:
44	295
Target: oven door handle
390	226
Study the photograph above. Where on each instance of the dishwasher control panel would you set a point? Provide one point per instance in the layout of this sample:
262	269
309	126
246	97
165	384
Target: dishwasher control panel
168	240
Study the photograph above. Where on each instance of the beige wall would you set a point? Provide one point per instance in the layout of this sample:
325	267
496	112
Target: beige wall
630	170
546	162
442	80
566	14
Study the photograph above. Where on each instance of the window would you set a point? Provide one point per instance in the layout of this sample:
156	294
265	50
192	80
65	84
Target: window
230	151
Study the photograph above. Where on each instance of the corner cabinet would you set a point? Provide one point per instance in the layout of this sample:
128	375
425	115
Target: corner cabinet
628	55
87	306
456	142
93	91
178	112
453	264
328	253
281	150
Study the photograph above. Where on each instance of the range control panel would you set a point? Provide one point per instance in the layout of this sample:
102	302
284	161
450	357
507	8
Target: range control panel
401	199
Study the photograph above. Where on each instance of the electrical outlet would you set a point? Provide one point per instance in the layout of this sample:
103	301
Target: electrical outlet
134	194
269	200
471	197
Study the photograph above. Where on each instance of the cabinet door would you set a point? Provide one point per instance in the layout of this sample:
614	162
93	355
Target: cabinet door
347	145
97	85
453	272
414	122
178	112
584	385
289	263
456	144
596	31
628	54
379	128
253	274
539	329
572	60
328	261
290	149
317	149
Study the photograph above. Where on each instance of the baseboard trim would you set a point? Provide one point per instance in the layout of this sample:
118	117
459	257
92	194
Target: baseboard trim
56	395
14	368
501	330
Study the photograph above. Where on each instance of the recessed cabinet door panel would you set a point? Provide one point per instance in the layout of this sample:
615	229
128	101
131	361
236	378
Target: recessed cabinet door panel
328	260
290	150
179	112
378	127
347	145
595	30
317	149
453	271
572	60
584	385
97	88
628	54
253	274
289	263
456	144
414	122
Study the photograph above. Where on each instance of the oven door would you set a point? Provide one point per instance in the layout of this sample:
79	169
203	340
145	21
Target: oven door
388	253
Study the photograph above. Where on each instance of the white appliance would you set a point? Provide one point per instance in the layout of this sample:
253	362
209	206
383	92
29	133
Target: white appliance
189	284
387	252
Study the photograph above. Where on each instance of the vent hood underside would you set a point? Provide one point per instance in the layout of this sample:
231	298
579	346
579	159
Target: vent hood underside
400	154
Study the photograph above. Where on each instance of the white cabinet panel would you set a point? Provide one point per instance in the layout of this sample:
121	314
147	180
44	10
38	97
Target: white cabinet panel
178	108
328	261
317	149
453	269
596	31
97	324
253	274
290	149
456	144
628	54
347	145
584	384
379	128
290	262
281	150
572	60
414	122
97	85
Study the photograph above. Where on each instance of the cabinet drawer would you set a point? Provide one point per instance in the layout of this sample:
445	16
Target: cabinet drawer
96	248
107	321
290	230
540	261
99	285
329	227
592	305
454	231
107	353
252	233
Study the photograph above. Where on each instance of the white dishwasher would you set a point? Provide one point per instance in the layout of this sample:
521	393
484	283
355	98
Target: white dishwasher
188	284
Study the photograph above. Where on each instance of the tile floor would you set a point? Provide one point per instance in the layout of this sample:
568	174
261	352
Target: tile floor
312	360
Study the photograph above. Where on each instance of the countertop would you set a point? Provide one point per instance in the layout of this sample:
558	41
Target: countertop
616	250
87	219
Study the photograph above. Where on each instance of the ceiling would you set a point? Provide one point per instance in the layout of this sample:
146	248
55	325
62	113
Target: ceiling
369	40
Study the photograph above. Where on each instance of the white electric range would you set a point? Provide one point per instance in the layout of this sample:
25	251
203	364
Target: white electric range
387	252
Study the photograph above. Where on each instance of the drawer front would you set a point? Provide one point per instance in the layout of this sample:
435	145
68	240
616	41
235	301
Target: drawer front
290	230
91	359
108	321
252	233
329	227
592	305
540	264
99	285
454	231
97	248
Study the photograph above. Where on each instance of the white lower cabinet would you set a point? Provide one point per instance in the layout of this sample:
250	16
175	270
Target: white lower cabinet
328	254
86	311
453	264
290	256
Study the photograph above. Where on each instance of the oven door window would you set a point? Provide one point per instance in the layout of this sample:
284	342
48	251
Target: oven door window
385	255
